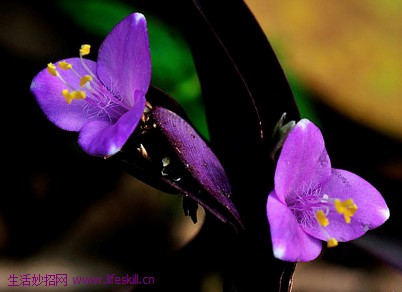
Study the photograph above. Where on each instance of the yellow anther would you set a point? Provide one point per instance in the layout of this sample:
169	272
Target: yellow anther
85	79
79	94
64	65
339	206
85	49
321	218
70	96
351	207
348	208
51	68
65	93
332	242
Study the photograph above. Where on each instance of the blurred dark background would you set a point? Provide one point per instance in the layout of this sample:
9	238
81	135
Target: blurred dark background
64	211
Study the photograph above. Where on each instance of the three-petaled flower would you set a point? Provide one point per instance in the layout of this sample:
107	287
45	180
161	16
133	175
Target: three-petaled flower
313	202
102	100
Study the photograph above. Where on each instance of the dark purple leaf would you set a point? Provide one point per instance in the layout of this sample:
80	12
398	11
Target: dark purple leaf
244	86
245	93
157	97
213	191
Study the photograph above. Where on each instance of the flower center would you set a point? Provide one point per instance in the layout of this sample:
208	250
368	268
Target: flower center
100	102
311	205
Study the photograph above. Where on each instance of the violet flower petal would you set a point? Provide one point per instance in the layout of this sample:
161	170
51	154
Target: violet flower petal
100	138
372	211
303	161
47	90
124	60
289	241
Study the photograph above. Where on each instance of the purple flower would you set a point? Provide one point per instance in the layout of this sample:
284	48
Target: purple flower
102	100
313	202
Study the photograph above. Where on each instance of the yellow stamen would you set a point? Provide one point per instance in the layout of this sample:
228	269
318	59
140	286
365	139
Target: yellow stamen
51	68
348	208
78	94
70	96
85	79
64	65
66	94
332	242
85	49
321	218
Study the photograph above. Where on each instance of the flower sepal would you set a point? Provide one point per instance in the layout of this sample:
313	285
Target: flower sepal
280	133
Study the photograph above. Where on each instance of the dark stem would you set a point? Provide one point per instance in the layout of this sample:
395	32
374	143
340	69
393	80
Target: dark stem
286	280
